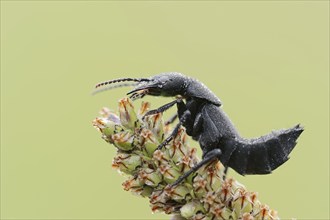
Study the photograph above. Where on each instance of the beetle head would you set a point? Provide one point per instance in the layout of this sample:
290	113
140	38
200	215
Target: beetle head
164	84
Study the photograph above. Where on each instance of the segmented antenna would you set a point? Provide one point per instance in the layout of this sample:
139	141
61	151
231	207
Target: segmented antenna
105	88
121	80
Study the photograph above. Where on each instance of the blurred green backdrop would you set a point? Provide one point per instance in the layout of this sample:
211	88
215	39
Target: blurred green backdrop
267	61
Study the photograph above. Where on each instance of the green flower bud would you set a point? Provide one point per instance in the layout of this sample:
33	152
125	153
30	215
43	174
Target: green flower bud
221	212
177	193
109	115
127	163
199	185
254	197
124	140
226	191
150	177
143	109
191	208
213	176
147	191
157	207
158	196
158	200
102	123
181	137
169	209
242	202
161	158
107	128
265	213
136	186
176	152
169	173
187	161
208	179
148	142
133	184
127	114
210	199
156	125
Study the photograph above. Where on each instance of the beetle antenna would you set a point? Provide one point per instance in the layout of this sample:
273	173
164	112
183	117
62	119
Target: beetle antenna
121	80
105	88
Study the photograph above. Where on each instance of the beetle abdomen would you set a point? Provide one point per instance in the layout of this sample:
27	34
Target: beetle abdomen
264	154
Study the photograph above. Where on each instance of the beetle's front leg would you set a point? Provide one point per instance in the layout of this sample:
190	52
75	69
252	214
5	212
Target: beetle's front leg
162	108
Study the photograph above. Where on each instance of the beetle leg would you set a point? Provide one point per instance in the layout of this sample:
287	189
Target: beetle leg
211	155
225	173
175	130
198	124
171	119
162	108
169	138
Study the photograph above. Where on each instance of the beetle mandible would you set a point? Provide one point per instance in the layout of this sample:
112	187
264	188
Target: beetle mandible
198	110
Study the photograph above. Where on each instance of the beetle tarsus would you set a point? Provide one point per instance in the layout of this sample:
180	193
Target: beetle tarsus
170	137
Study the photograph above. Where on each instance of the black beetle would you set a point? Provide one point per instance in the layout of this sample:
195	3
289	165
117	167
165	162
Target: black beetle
206	123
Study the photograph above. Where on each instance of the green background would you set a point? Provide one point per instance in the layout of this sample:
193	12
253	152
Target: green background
267	61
